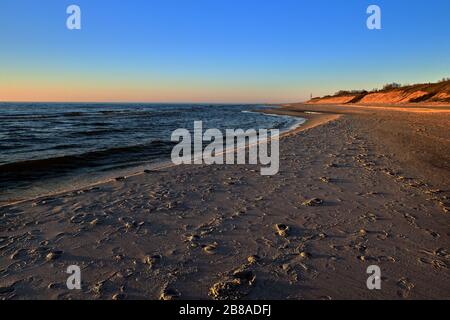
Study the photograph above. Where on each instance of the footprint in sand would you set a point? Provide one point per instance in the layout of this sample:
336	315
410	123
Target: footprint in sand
53	255
211	248
435	263
18	254
362	232
325	179
437	258
369	217
405	286
411	219
282	230
314	202
119	296
445	206
432	233
234	286
169	294
152	260
5	289
253	259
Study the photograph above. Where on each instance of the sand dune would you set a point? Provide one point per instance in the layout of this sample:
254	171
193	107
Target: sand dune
435	93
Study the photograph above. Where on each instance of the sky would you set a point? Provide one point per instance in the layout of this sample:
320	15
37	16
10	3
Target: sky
252	51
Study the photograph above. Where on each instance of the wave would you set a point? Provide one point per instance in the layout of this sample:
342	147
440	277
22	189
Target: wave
125	112
73	114
57	165
98	132
27	117
290	123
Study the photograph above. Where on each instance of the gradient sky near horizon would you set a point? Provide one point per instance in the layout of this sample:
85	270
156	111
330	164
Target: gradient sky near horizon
216	50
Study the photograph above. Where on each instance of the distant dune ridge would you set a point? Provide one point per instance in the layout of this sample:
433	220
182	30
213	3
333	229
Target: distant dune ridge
434	93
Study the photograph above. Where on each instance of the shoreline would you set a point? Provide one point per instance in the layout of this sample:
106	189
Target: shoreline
160	165
312	120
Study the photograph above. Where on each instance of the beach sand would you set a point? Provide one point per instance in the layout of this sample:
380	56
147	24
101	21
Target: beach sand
357	186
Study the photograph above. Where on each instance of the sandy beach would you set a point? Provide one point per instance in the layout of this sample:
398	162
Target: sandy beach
358	186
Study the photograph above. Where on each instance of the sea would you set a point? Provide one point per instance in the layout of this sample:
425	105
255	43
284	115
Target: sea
47	148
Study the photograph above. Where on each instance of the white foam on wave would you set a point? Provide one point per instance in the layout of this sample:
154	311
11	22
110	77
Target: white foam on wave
299	121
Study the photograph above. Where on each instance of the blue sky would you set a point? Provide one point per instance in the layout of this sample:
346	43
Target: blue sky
216	50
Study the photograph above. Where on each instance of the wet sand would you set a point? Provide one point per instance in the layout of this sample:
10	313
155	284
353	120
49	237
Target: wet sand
357	186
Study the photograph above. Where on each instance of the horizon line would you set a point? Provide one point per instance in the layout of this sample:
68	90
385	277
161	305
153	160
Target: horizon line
150	102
